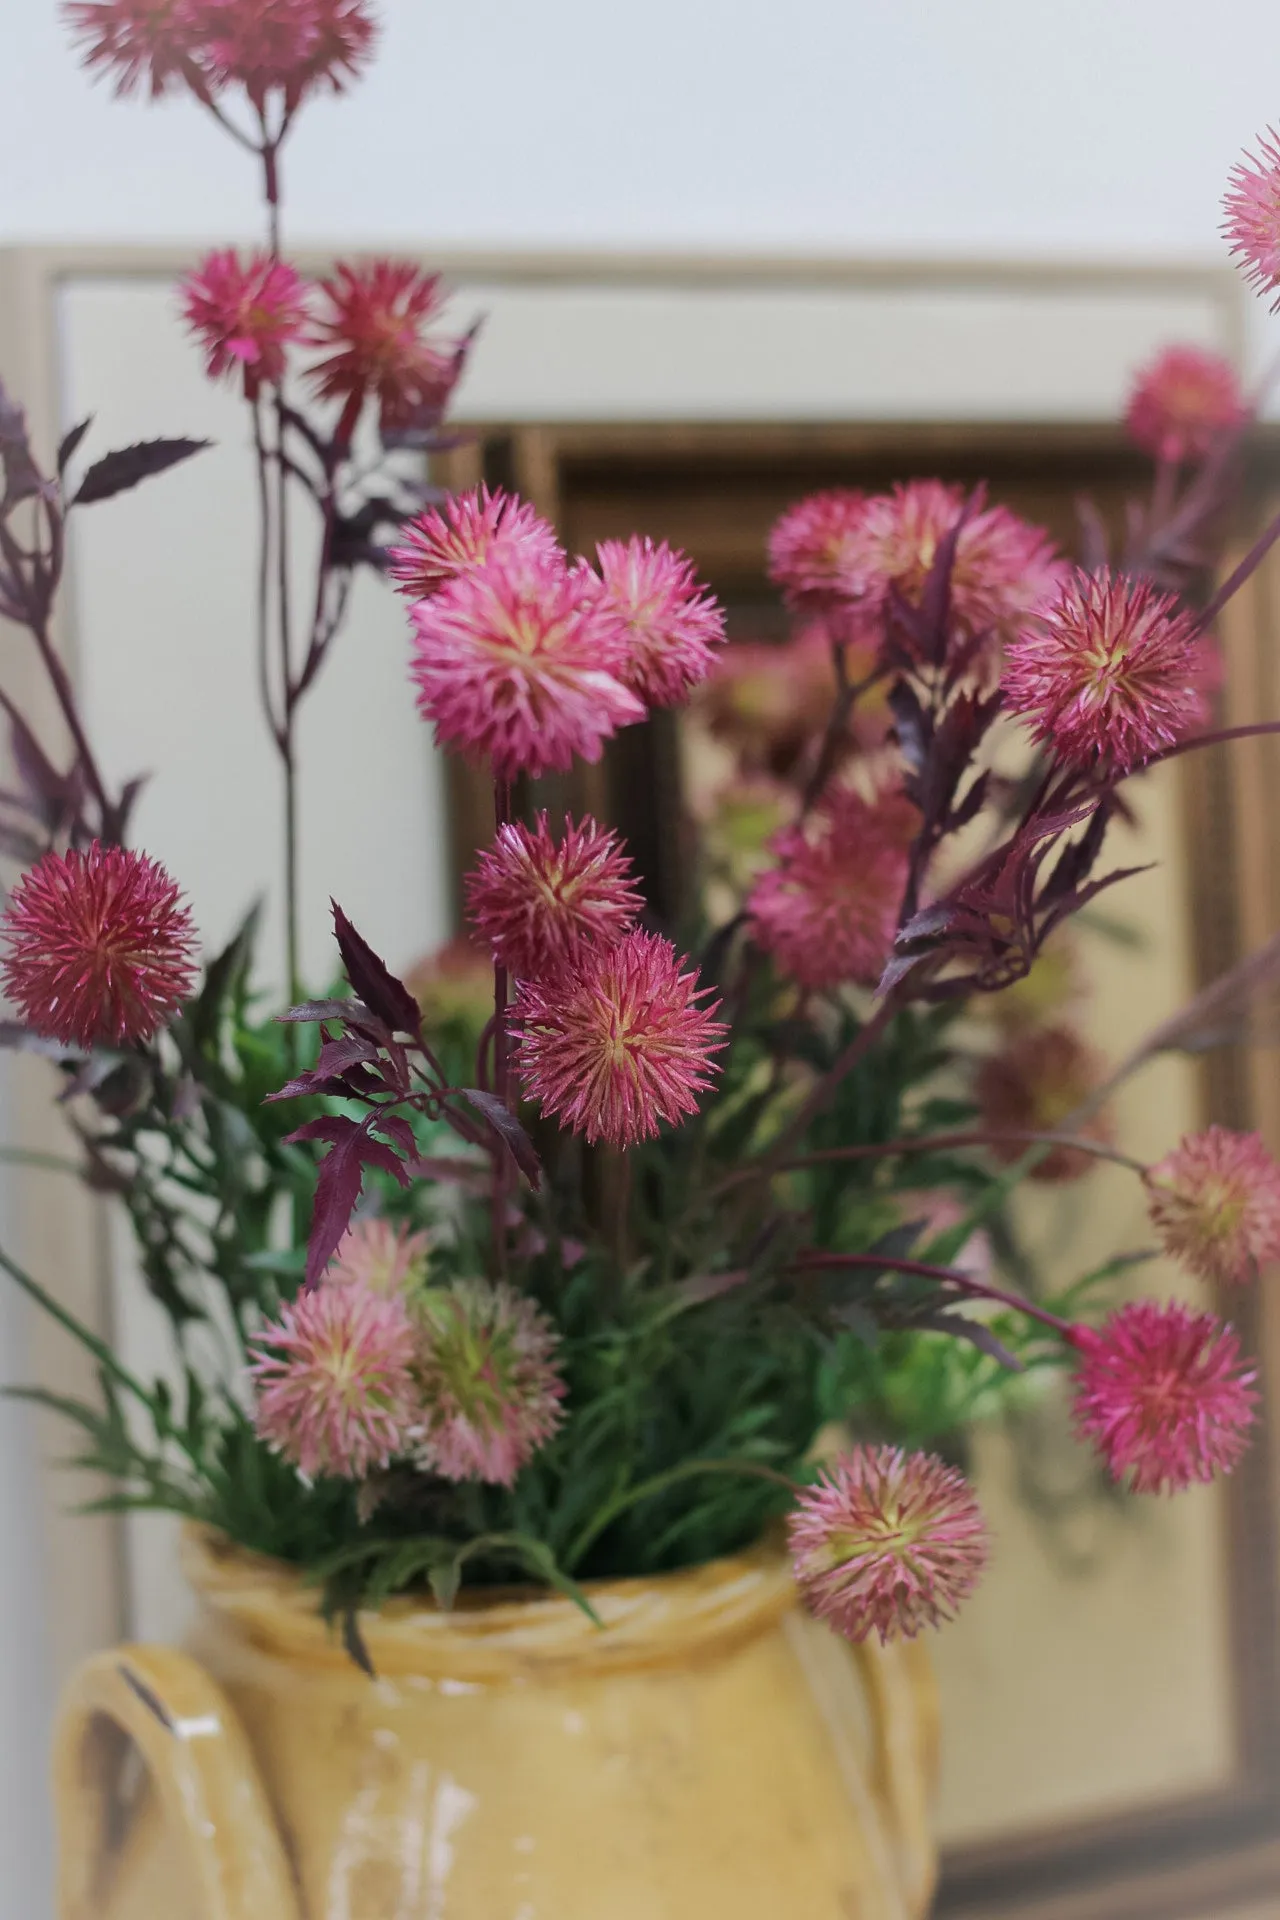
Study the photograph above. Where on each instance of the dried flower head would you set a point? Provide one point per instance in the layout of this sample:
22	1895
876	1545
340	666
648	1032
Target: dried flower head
453	986
1215	1202
381	1256
375	323
1162	1394
1252	208
488	1386
811	546
672	626
459	536
147	44
828	911
244	315
1035	1085
619	1045
1003	566
1182	401
100	946
887	1542
333	1379
514	664
539	902
290	46
1112	672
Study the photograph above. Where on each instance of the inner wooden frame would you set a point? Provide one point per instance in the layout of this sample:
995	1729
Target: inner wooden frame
1199	1853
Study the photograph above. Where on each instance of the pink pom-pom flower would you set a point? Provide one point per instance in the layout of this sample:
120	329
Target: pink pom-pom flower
1182	401
828	910
619	1045
539	902
245	315
513	663
812	546
1215	1202
334	1382
380	1256
1252	208
487	1381
1111	672
672	627
373	331
100	946
151	44
443	542
290	46
887	1542
1162	1393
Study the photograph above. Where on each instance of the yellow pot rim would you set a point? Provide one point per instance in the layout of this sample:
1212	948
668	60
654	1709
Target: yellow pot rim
501	1634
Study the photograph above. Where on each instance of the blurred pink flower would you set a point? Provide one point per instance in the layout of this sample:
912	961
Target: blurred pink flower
288	45
333	1381
1215	1202
488	1387
140	43
381	1256
887	1542
244	315
374	330
1252	208
1181	401
1035	1084
811	546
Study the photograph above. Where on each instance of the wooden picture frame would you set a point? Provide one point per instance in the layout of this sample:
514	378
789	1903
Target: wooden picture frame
595	358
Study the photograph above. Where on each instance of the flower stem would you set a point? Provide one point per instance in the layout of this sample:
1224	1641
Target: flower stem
818	1261
501	1065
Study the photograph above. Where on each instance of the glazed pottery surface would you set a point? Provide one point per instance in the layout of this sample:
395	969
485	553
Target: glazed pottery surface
708	1751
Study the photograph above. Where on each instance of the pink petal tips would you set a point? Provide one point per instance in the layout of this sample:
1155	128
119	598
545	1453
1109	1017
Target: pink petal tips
540	903
1252	208
1215	1202
887	1543
245	315
334	1382
671	628
1181	402
487	1381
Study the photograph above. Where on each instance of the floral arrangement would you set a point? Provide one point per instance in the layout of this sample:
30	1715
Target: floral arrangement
581	1283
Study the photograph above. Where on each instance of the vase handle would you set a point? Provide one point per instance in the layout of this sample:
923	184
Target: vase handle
202	1789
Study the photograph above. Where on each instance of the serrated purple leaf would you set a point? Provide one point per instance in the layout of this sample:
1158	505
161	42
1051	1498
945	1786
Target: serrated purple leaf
372	980
338	1185
71	440
124	467
508	1129
333	1127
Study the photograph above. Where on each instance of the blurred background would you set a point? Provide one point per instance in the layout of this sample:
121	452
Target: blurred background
858	242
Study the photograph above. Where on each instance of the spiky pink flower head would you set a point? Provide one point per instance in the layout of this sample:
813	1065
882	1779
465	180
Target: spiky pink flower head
334	1382
289	46
459	536
1215	1202
1003	566
1181	401
1110	672
375	323
149	44
1162	1394
489	1389
1252	208
619	1045
1036	1084
828	911
381	1256
811	546
100	946
539	902
672	626
244	314
514	663
887	1542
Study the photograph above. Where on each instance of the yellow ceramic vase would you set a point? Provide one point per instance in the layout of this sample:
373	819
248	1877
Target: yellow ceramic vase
707	1752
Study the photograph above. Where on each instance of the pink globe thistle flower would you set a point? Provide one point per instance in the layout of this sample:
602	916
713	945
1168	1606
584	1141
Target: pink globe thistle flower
375	323
620	1044
488	1386
1252	208
460	536
244	315
1181	402
334	1381
887	1542
828	911
1112	671
1162	1394
142	44
100	946
1035	1085
292	46
513	663
811	547
1215	1202
672	627
380	1256
1003	566
540	902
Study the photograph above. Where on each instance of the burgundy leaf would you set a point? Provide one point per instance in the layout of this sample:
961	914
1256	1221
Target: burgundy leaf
116	472
22	477
71	440
508	1129
333	1127
338	1185
372	980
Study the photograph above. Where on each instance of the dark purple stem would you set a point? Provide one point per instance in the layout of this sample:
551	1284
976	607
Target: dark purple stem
963	1282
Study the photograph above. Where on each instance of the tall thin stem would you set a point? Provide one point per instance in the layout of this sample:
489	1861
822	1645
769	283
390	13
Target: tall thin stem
501	1062
818	1262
